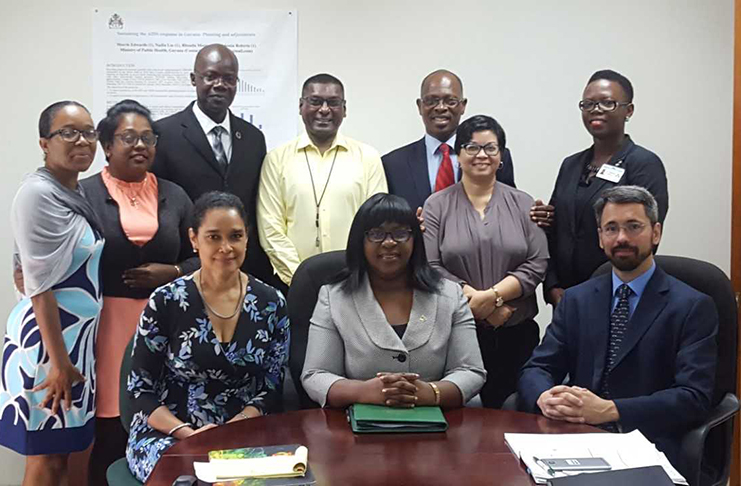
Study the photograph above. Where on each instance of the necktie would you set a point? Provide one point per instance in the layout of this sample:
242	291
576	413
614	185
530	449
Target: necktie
445	176
618	325
218	146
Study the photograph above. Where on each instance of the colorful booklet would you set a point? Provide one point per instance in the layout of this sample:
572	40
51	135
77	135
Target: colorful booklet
283	465
367	419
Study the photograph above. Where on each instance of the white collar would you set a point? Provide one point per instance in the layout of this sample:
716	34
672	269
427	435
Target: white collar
207	124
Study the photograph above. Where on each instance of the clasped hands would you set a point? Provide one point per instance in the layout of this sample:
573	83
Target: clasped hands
401	390
576	405
483	306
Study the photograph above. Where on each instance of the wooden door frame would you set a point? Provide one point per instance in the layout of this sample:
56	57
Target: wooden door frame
736	218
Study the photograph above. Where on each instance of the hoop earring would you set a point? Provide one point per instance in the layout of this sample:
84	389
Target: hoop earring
501	164
627	119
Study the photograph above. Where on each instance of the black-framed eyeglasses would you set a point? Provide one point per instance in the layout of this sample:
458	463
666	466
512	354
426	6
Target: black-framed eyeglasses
377	235
633	228
433	101
226	79
491	149
604	105
130	138
318	101
72	135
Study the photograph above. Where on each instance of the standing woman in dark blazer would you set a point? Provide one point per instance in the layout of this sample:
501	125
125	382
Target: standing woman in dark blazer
614	159
145	221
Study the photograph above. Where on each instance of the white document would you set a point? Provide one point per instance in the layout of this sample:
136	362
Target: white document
621	451
276	466
148	56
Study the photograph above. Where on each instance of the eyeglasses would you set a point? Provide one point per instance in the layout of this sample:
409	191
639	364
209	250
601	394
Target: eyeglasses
318	101
72	135
130	138
377	235
604	105
433	101
491	149
631	229
226	79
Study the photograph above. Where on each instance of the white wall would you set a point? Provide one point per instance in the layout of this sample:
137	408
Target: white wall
523	61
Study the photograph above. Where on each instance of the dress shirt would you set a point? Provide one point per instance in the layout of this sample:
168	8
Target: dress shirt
637	285
435	157
208	124
286	207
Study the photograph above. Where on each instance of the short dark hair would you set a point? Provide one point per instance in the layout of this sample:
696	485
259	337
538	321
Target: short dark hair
439	71
216	200
322	78
627	195
47	116
479	123
107	126
611	75
378	209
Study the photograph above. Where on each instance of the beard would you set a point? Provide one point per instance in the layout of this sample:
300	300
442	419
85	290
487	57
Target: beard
628	263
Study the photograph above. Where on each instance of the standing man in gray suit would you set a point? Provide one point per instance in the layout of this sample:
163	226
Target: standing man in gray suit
428	165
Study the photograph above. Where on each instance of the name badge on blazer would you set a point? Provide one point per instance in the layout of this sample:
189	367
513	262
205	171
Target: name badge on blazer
611	173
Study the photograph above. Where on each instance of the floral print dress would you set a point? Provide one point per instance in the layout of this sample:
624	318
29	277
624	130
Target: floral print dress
179	362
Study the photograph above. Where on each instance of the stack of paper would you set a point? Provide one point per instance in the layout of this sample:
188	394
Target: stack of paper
621	451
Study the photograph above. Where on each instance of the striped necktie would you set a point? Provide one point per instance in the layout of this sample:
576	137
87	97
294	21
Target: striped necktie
445	175
218	146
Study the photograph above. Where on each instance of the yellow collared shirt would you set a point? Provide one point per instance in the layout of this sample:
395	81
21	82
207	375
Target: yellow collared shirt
286	207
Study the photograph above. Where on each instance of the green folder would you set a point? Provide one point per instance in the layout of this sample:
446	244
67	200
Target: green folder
378	419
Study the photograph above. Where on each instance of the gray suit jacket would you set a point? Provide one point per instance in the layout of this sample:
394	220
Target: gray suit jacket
350	338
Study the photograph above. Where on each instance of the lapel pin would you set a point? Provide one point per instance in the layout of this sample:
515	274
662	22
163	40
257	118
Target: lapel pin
238	135
422	318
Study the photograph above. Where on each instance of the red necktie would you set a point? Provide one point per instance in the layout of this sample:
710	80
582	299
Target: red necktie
445	176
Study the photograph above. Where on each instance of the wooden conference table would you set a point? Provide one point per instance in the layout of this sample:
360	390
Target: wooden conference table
471	452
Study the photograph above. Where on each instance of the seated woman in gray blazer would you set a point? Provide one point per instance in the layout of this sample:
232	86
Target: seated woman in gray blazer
390	330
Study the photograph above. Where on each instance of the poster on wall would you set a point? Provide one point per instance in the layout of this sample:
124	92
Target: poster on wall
148	56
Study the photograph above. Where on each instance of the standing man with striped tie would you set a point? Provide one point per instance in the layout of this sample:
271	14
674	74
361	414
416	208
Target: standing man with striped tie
637	345
206	148
428	165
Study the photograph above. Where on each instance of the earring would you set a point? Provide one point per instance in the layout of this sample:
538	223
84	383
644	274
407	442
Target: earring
501	164
627	119
195	250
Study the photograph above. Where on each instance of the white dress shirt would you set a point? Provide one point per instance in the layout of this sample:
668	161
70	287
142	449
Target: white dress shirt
207	124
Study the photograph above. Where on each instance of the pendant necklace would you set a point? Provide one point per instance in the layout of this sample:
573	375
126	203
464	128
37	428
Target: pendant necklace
318	202
208	307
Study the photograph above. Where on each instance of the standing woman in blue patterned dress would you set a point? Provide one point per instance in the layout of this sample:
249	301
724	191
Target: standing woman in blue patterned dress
211	346
47	386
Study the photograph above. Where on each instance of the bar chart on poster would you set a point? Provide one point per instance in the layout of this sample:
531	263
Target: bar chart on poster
149	57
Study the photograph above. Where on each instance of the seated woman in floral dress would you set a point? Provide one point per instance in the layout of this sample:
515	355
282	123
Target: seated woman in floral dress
211	347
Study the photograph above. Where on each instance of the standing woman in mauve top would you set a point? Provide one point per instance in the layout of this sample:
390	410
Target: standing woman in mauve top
47	386
613	160
145	221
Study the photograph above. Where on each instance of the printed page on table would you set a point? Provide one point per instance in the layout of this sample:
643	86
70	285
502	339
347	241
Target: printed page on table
233	465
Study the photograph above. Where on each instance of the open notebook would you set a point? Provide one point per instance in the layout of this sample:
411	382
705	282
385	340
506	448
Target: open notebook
232	466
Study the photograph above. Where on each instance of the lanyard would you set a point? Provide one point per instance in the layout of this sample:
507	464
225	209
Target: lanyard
318	202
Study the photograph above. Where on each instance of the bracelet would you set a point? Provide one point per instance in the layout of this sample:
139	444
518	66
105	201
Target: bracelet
498	300
178	427
437	392
179	270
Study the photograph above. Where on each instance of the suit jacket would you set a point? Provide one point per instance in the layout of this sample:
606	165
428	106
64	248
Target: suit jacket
573	241
184	156
408	176
662	381
350	338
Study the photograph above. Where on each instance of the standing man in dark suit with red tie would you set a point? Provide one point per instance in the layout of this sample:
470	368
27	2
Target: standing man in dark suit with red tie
428	165
206	148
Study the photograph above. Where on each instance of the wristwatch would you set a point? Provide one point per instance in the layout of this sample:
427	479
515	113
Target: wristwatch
499	301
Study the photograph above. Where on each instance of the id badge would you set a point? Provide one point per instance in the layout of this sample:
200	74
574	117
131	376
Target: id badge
611	173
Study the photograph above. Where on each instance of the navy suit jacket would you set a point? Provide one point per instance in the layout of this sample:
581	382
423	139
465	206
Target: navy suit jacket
407	174
184	156
662	381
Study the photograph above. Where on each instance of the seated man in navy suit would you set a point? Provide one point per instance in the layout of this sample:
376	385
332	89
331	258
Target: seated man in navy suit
638	346
428	165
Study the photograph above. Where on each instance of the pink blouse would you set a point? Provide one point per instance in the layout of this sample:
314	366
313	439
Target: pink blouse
137	205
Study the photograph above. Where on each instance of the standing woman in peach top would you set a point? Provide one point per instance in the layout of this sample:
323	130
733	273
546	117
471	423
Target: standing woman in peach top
145	221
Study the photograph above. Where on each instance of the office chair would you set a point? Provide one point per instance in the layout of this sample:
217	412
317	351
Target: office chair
302	295
118	473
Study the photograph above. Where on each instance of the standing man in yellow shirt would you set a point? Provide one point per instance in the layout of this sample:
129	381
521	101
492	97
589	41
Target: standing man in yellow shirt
311	187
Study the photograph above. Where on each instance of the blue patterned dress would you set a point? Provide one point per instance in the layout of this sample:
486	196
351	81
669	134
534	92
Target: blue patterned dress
179	362
24	427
